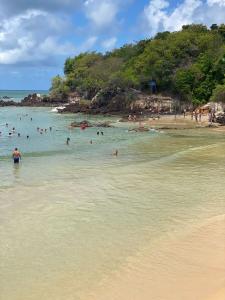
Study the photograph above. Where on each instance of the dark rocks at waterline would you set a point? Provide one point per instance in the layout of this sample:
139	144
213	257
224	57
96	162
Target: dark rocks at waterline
220	119
139	129
87	124
81	124
38	100
6	98
8	103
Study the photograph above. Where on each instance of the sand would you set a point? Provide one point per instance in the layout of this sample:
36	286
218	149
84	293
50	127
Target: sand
191	267
178	122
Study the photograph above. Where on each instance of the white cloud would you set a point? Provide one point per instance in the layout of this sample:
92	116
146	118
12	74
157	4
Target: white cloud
218	2
31	37
159	16
101	12
109	43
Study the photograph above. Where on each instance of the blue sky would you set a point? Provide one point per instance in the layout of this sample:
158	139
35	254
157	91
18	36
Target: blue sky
37	35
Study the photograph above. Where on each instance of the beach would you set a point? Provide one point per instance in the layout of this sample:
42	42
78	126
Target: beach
79	223
193	268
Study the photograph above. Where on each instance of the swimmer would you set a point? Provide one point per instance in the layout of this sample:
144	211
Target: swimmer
31	119
102	133
98	133
10	134
115	153
16	156
18	134
91	142
27	136
68	141
6	124
45	130
50	128
38	128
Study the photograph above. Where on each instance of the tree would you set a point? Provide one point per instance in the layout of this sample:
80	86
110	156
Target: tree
219	93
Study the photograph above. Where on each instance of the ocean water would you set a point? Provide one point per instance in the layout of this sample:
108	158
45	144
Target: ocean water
17	96
73	215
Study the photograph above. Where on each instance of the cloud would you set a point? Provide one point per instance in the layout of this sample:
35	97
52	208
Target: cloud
101	13
221	3
109	43
32	37
159	16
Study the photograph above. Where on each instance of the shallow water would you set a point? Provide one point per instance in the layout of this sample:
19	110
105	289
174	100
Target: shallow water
73	215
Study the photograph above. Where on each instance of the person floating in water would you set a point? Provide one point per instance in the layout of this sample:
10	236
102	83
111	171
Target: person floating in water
68	141
16	156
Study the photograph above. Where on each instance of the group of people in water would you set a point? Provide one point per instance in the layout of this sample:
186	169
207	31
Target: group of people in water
16	154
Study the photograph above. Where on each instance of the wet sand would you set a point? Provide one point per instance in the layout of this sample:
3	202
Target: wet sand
189	268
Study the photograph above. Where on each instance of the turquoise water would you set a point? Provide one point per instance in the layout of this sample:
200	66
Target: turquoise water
73	215
18	95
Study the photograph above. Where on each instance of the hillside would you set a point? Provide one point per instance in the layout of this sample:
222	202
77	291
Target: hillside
188	65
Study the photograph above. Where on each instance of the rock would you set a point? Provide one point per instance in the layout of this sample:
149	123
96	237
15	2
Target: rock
32	99
88	124
139	129
8	103
82	123
220	118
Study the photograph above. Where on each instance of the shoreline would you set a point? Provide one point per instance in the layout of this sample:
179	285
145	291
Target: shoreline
145	120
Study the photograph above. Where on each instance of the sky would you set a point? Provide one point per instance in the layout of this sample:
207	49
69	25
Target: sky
36	36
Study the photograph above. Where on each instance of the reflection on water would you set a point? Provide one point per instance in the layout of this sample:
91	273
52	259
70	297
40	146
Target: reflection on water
72	216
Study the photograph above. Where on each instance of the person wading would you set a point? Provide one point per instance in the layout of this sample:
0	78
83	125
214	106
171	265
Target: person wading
16	156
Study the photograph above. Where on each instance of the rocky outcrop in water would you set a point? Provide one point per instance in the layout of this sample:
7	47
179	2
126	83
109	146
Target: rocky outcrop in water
87	124
8	103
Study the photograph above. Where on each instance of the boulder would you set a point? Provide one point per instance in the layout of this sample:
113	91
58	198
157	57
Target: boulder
220	118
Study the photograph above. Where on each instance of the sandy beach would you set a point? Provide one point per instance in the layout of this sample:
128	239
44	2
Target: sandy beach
180	122
191	267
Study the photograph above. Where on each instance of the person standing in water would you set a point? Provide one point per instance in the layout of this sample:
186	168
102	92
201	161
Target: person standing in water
16	156
68	141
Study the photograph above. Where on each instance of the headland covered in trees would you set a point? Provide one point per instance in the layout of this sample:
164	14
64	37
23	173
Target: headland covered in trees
187	65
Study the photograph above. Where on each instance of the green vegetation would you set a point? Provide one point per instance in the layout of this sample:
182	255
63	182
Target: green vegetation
188	64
